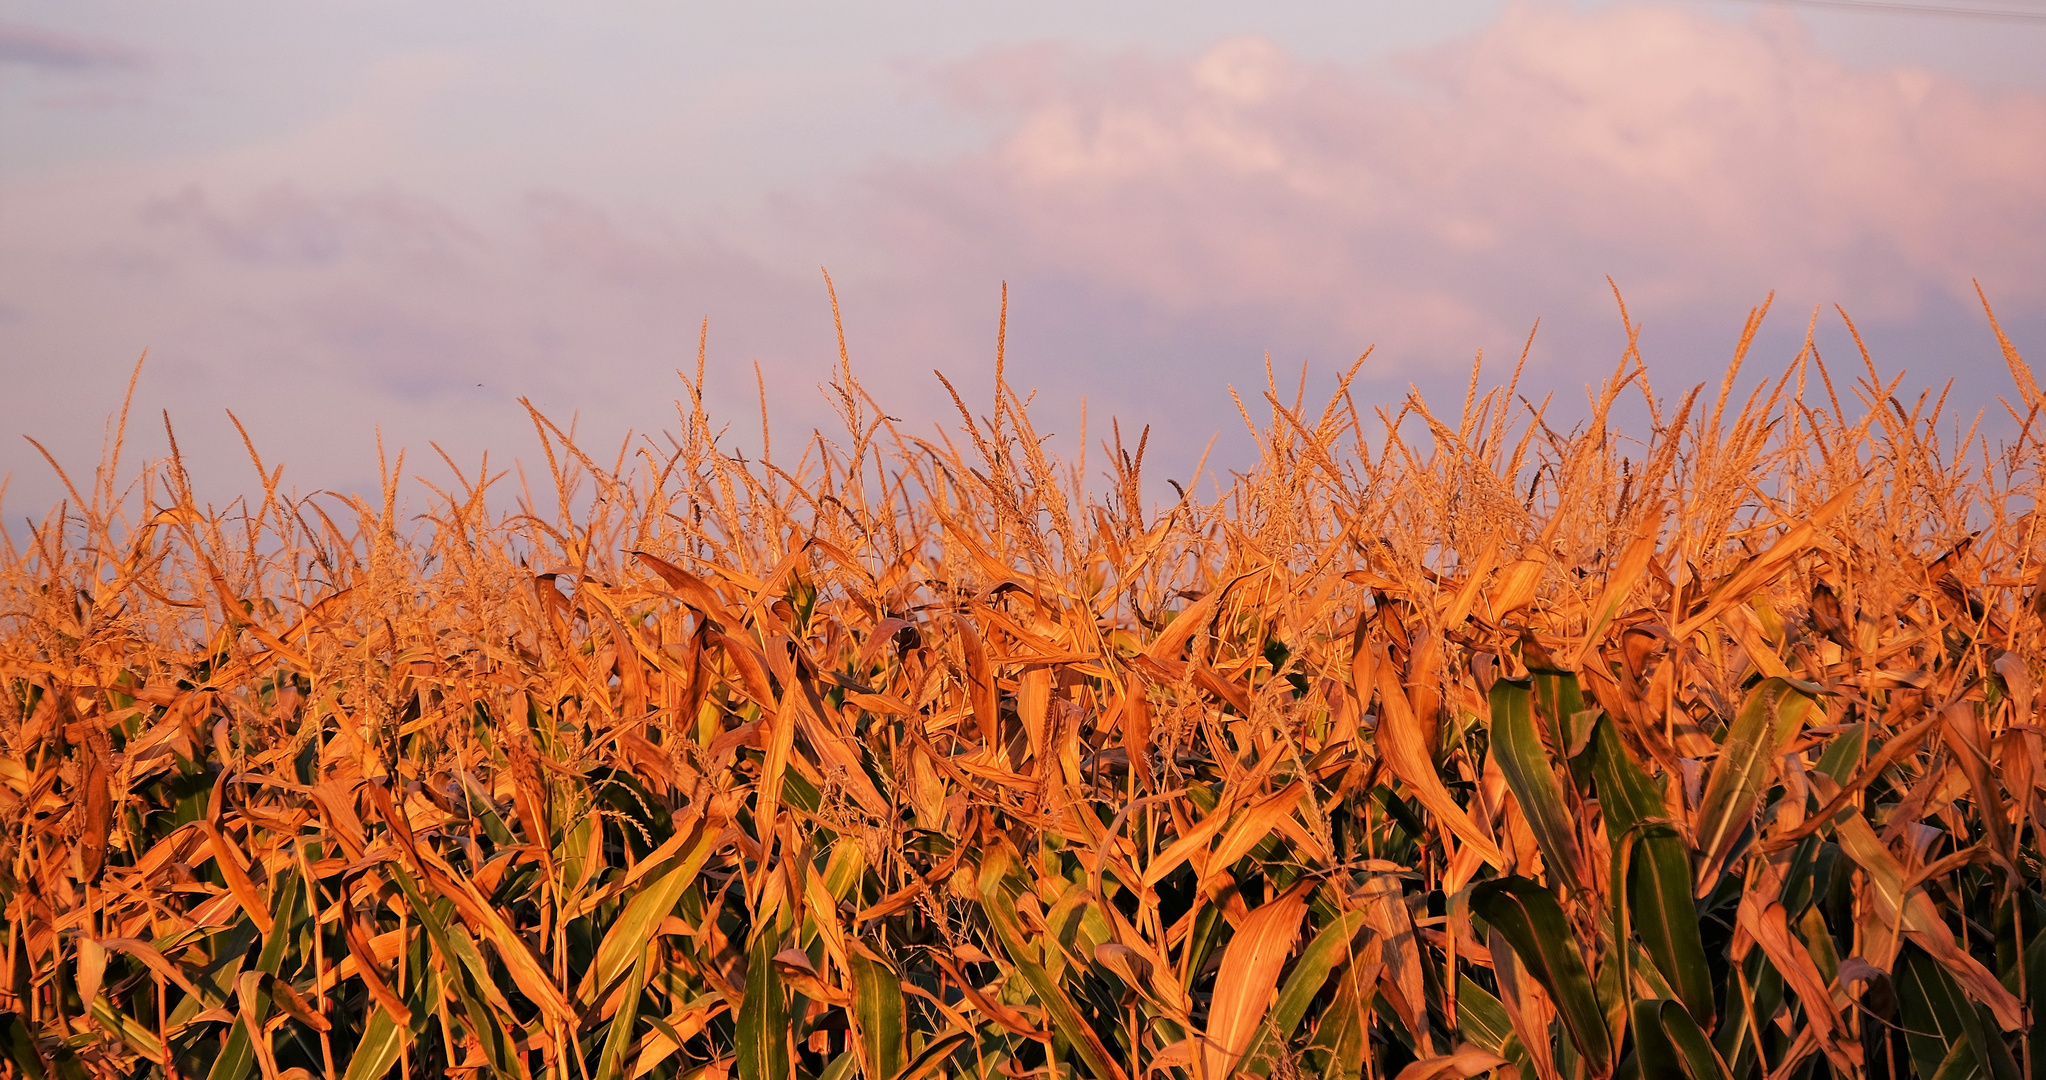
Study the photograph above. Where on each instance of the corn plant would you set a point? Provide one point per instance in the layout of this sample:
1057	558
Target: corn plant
1432	746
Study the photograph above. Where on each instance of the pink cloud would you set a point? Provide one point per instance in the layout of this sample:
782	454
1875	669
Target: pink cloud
1688	156
1163	221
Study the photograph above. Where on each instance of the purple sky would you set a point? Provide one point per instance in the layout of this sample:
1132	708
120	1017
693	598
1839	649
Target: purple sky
335	217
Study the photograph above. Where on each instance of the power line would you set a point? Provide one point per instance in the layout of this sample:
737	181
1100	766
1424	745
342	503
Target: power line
1932	10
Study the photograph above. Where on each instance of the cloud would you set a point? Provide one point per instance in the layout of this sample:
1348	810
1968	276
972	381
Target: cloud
35	47
1163	222
326	318
1489	181
409	296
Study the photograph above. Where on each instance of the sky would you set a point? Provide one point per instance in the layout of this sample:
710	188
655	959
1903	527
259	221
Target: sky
345	220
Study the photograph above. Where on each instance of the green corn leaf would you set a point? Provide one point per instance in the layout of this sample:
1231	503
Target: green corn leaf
129	1030
21	1046
763	1029
460	962
1329	950
612	1064
573	855
1774	710
841	1067
1963	1062
877	1010
933	1056
1343	1031
1657	889
477	800
653	902
1064	939
842	872
1844	754
1481	1018
1532	922
1000	908
1700	1060
1654	1055
485	1003
1748	1010
1209	926
2027	968
1668	1043
383	1039
1529	773
1560	706
1944	1031
238	1056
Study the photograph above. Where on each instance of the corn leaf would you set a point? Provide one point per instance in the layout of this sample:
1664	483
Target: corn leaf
383	1039
1943	1030
877	1012
763	1029
1331	948
618	1042
1532	922
999	905
1733	793
1531	776
1657	886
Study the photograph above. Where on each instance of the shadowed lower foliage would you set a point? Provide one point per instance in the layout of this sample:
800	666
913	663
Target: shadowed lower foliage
1474	748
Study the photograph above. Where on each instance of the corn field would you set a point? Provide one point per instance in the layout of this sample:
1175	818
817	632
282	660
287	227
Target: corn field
1442	743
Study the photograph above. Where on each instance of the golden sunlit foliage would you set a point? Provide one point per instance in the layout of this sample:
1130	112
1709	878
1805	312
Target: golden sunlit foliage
1473	747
